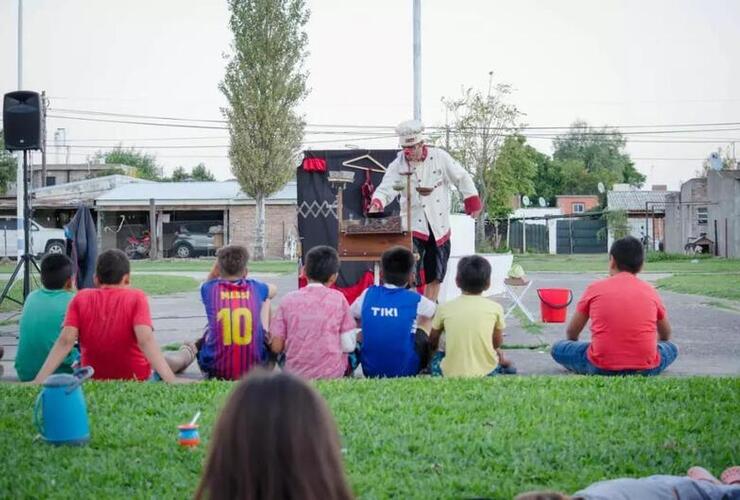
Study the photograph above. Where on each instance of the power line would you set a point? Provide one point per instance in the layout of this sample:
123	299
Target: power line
386	127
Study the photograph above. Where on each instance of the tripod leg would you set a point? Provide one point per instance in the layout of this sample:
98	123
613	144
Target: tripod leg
5	294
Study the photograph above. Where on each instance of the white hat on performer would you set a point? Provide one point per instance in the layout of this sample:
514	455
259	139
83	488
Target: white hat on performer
410	133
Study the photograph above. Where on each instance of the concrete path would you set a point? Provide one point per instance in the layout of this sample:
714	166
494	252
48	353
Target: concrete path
708	336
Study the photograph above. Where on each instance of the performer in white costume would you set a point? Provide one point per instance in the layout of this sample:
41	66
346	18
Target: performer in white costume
433	173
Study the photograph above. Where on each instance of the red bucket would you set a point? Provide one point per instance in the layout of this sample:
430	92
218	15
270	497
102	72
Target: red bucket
554	304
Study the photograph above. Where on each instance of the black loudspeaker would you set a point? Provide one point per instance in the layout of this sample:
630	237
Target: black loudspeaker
22	116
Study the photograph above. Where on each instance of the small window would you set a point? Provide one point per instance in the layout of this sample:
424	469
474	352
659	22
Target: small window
578	208
51	180
702	215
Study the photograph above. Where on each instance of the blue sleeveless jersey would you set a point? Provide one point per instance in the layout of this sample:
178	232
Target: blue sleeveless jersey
235	340
388	328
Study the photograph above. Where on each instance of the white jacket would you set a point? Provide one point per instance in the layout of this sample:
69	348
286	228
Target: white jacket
440	171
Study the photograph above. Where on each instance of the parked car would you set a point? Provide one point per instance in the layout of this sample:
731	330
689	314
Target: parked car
43	239
189	244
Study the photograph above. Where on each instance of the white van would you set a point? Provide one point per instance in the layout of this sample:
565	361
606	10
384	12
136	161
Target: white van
43	239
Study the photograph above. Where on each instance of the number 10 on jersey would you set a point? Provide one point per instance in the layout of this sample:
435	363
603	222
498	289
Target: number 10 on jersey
236	325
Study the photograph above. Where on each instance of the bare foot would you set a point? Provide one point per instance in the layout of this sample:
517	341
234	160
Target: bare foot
731	475
701	474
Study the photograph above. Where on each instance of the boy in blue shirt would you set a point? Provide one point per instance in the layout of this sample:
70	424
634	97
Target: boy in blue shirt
393	318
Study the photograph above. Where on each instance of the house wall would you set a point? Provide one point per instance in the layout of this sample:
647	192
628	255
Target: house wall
565	202
682	220
724	191
281	224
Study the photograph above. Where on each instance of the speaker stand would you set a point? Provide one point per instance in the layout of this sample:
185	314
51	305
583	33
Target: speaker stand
27	259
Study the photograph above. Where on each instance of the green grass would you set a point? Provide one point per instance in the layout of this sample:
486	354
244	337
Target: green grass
152	284
413	438
723	287
266	266
193	265
599	263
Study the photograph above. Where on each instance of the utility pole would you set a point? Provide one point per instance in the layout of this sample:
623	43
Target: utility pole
20	186
447	130
45	104
417	59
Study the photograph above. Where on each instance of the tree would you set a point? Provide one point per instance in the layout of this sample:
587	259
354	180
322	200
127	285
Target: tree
201	173
180	175
481	122
515	169
145	164
263	84
587	156
8	166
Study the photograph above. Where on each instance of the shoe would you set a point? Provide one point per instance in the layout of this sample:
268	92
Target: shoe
2	351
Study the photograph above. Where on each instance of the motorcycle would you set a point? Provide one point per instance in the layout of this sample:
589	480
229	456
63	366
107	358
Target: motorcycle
138	248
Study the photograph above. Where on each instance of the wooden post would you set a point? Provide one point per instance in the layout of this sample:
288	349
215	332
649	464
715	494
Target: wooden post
152	229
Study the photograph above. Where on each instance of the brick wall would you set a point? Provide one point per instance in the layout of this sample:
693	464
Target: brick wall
565	203
280	221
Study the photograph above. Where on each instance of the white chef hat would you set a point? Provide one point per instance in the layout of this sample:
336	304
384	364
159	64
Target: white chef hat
410	133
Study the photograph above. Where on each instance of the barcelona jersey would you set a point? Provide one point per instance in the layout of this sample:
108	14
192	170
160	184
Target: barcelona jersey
235	338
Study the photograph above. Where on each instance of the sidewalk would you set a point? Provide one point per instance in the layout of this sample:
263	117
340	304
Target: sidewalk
708	337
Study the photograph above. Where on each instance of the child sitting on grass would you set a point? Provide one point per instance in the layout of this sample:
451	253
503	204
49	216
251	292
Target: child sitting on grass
630	332
238	311
473	326
42	318
393	318
113	326
275	438
310	322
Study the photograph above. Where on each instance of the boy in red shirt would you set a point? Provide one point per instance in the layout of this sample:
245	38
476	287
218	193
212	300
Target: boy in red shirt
629	328
113	326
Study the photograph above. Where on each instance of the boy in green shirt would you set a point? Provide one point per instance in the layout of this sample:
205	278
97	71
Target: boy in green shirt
42	318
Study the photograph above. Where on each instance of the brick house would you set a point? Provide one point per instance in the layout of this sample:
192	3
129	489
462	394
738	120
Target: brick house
576	203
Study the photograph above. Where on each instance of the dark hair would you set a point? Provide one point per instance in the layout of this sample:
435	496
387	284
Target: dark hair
473	274
112	266
232	260
322	262
275	438
56	269
628	254
397	264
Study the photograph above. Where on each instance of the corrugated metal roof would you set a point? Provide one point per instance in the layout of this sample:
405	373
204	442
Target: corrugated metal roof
635	200
189	193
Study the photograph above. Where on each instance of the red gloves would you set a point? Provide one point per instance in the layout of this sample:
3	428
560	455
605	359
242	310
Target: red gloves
472	204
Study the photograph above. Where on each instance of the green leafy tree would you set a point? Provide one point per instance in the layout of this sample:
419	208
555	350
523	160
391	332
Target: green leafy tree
145	164
586	156
8	166
514	172
180	175
481	122
263	84
617	224
201	173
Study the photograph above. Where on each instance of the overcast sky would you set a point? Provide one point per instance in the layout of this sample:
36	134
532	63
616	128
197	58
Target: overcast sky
610	62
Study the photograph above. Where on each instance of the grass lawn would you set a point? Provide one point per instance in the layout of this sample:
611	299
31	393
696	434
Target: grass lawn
267	266
600	263
152	284
413	438
723	287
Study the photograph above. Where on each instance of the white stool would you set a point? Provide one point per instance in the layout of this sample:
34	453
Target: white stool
510	289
